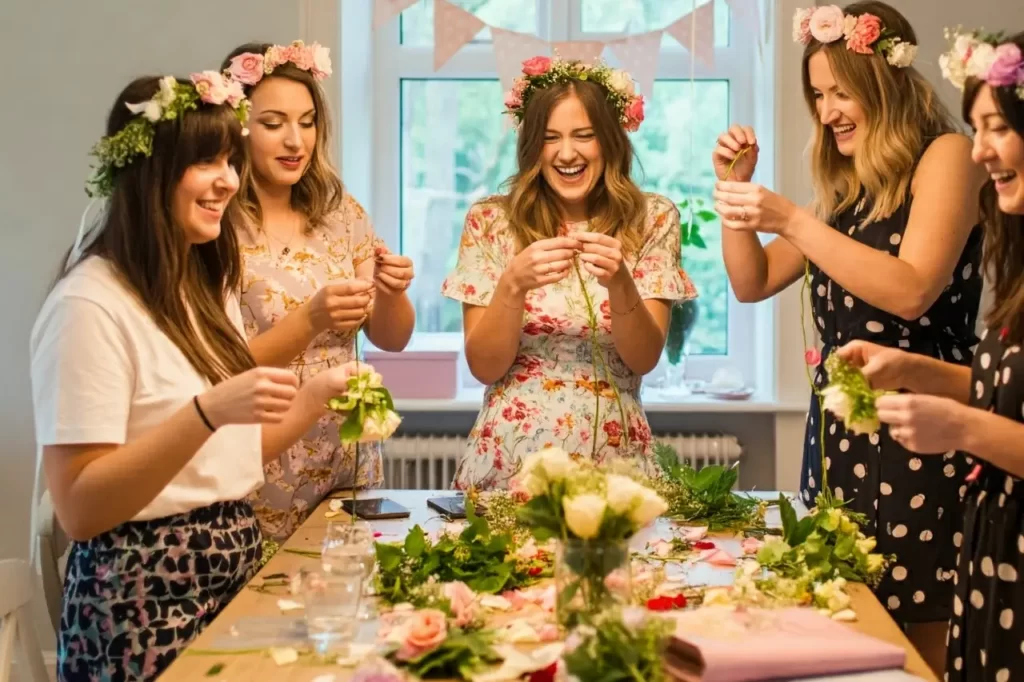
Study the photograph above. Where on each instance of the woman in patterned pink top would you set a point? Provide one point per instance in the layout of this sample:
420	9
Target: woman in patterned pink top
574	242
315	272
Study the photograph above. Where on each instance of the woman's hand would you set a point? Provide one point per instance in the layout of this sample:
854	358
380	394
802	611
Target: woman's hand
392	273
749	207
341	306
601	256
259	396
730	143
333	382
925	424
541	263
885	368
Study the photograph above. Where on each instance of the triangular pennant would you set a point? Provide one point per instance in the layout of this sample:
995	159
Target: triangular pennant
386	10
639	56
453	28
696	32
586	51
511	49
748	14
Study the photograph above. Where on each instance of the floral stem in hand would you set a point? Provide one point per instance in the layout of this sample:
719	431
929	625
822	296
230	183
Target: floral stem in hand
732	164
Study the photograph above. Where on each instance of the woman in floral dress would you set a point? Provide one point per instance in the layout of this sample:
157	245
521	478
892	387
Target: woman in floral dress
566	281
979	410
315	272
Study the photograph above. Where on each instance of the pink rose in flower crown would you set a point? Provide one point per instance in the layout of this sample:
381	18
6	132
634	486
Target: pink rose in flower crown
462	601
827	24
864	34
211	87
802	25
634	114
300	56
424	631
236	93
513	100
536	66
275	57
247	68
321	61
1008	67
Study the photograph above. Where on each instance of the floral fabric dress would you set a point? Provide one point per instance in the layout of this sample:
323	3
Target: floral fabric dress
557	392
986	634
273	286
912	502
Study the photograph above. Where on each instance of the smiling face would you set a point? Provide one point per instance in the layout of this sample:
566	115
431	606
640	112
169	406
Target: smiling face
571	161
283	131
1000	149
837	111
201	198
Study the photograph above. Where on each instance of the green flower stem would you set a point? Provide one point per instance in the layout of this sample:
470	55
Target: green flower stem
805	297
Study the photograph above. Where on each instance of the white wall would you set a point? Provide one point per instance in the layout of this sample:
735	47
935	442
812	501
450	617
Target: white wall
65	62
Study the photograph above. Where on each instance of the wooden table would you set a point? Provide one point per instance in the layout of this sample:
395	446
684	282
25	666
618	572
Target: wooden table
872	617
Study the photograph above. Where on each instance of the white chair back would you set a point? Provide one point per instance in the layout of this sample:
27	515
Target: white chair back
17	585
51	546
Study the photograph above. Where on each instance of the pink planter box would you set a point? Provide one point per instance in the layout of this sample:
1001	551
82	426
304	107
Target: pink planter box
424	375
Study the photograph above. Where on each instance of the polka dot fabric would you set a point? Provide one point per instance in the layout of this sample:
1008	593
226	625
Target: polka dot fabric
986	634
913	503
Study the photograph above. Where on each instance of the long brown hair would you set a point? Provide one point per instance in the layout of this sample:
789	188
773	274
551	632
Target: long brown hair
151	254
903	113
319	191
616	205
1003	253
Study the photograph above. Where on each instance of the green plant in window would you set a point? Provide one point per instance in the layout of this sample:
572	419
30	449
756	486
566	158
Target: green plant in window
684	315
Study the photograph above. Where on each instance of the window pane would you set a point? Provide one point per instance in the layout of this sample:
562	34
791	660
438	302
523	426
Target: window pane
639	16
457	149
417	22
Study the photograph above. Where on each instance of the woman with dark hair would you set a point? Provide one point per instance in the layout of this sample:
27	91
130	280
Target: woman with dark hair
567	280
978	410
153	420
891	251
314	271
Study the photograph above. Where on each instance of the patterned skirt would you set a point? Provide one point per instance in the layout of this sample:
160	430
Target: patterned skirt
986	634
137	595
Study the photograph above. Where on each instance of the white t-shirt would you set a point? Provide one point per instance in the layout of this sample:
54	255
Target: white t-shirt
103	372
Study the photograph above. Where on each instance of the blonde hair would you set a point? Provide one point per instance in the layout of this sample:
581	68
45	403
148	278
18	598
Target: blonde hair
319	191
616	205
903	114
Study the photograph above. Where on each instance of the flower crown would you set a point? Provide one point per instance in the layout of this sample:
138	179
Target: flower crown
171	101
250	68
543	72
864	33
984	56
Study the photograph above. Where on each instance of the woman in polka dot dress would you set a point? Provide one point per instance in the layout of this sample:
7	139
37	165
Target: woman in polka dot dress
979	412
894	255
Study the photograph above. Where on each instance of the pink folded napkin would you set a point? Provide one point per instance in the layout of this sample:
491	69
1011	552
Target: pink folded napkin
729	644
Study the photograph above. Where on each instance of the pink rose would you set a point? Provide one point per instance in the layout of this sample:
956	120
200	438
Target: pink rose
462	601
864	34
275	57
802	25
321	61
247	68
634	114
300	56
535	66
425	631
812	356
235	93
1008	67
211	87
513	100
827	24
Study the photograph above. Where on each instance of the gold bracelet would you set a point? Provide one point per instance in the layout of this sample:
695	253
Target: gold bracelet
638	299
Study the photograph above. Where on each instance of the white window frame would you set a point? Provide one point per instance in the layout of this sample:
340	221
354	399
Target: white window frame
371	142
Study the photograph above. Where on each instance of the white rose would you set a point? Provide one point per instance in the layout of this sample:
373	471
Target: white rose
321	59
953	70
151	110
981	60
375	380
583	515
166	95
623	493
834	400
849	23
620	81
380	428
555	463
650	507
901	55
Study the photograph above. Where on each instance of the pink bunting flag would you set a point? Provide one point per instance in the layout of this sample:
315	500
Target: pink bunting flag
511	49
696	32
639	56
586	51
748	14
386	10
453	28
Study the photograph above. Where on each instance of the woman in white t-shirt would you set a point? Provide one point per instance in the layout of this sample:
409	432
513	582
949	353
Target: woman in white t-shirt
152	419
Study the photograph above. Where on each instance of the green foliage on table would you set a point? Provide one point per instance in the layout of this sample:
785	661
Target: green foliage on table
620	646
477	556
705	496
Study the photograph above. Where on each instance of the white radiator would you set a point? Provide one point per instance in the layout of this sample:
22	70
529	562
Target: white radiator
428	462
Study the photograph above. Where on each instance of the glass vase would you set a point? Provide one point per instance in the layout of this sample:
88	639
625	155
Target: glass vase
590	577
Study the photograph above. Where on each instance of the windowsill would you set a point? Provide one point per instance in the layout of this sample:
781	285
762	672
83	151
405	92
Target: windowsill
471	399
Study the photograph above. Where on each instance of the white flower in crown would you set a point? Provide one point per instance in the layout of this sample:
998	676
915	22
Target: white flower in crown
901	55
621	82
151	110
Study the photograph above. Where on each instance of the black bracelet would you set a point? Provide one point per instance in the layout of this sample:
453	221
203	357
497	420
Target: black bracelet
202	415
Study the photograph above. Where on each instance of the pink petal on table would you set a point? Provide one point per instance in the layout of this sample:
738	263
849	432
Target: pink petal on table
751	545
693	533
717	557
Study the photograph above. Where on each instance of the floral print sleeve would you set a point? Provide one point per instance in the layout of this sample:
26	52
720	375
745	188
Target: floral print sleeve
657	272
481	257
357	223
